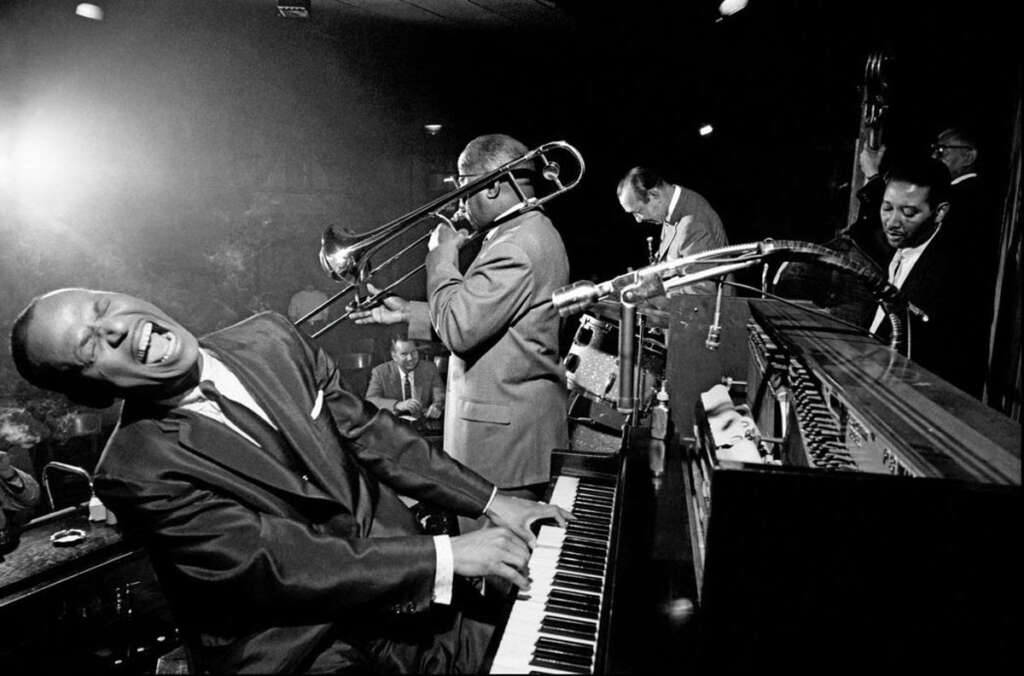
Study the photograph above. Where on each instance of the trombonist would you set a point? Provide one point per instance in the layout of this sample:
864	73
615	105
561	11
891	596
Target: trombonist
506	395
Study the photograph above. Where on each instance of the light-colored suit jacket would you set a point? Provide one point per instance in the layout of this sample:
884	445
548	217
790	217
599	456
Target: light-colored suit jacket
505	410
266	554
385	388
693	227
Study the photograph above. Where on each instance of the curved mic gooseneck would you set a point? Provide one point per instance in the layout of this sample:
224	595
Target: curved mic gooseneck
658	280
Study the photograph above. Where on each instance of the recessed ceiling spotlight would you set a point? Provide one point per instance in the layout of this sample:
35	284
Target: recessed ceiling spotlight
89	11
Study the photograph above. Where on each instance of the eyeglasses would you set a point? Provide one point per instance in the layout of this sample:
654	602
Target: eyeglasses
940	149
459	180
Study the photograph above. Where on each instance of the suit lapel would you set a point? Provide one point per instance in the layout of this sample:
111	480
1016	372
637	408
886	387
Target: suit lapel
221	445
291	414
395	380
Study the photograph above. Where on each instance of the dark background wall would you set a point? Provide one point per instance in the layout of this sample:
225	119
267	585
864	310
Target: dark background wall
200	148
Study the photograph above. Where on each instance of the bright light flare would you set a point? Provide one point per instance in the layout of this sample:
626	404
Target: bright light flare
47	162
705	130
89	11
730	7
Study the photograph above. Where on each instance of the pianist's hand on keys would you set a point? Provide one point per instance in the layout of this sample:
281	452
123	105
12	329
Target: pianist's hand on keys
519	515
554	624
504	550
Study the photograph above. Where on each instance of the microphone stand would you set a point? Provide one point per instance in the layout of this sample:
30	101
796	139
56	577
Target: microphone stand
627	358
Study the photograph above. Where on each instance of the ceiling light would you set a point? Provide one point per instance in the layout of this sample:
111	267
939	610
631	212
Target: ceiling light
89	11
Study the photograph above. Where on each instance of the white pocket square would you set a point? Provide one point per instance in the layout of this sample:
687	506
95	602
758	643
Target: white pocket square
317	405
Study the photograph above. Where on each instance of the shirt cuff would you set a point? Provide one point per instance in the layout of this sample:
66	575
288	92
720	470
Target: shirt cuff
444	570
494	494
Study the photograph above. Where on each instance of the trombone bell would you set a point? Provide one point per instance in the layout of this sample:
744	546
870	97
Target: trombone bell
340	253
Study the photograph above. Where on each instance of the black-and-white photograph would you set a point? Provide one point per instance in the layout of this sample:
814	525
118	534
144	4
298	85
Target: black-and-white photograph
510	336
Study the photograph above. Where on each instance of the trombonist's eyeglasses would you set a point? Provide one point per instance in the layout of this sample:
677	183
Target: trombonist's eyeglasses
459	180
940	149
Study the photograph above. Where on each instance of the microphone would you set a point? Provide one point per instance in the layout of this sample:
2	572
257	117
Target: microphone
715	329
577	297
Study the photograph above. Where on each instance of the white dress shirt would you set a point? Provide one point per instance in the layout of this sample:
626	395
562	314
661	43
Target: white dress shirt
902	262
669	230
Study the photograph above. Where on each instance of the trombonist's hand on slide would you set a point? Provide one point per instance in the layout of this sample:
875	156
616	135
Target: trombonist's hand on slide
391	311
444	234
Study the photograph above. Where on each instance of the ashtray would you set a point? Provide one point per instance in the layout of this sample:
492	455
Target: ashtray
67	537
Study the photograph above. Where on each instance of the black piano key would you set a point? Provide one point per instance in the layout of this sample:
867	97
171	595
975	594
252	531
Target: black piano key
584	559
570	647
593	501
577	581
568	632
587	493
564	656
585	552
577	567
589	515
555	664
572	609
576	603
576	528
581	596
586	514
582	538
573	623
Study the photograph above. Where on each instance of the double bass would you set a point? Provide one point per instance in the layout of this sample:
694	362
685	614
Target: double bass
873	109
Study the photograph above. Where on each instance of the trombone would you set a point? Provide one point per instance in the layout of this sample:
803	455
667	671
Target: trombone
345	255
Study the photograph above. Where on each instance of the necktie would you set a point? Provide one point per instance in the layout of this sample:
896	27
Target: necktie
406	387
897	263
247	420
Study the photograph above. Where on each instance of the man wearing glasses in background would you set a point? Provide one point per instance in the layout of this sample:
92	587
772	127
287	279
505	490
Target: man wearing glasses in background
973	209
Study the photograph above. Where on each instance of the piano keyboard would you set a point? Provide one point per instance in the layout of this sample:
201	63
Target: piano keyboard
555	627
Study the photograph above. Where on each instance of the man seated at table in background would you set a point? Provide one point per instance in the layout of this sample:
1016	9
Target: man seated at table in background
407	385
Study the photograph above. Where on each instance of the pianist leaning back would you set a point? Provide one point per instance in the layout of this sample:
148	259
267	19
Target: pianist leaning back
281	547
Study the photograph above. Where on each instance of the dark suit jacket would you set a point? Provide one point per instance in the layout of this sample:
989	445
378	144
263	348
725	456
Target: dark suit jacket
385	388
505	409
973	220
266	553
952	292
